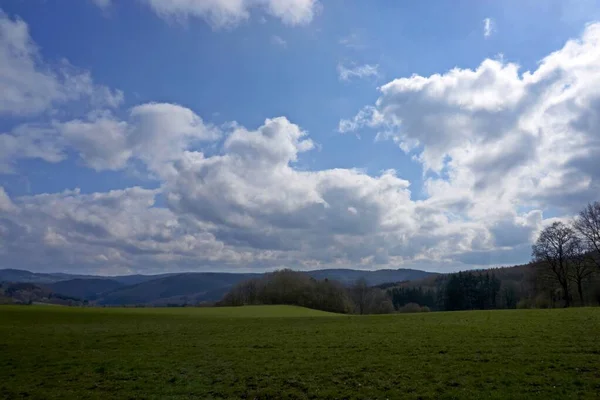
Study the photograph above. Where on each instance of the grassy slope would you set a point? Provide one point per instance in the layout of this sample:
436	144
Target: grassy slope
165	312
53	352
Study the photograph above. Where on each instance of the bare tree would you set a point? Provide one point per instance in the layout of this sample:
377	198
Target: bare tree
360	295
555	248
581	266
587	224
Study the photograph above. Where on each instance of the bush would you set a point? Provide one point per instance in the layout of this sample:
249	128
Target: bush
425	309
378	302
525	303
410	308
542	301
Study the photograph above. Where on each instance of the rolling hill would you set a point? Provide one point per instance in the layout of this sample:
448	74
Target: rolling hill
20	275
183	288
348	276
188	288
85	288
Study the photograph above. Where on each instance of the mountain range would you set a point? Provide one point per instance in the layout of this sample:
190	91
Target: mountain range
178	288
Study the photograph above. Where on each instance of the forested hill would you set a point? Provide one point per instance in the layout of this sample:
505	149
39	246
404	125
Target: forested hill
521	286
185	288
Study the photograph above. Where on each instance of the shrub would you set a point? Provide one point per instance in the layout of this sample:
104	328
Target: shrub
542	301
410	308
524	303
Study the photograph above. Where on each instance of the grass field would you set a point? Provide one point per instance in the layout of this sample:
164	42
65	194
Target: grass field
290	352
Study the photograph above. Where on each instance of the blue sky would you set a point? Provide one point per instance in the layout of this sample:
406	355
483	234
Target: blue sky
442	160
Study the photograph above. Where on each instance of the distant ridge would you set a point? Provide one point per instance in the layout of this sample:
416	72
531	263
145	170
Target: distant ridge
179	288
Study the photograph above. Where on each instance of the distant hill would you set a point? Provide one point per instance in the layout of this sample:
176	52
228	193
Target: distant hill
190	288
179	288
85	288
30	293
135	279
348	276
19	275
516	275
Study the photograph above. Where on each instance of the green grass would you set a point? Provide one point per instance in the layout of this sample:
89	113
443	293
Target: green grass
59	353
197	312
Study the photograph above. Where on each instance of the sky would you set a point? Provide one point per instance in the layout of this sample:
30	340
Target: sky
152	136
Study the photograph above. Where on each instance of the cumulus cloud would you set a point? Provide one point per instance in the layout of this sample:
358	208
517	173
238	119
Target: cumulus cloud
246	205
101	143
6	204
29	86
496	138
111	232
160	132
154	133
29	141
498	146
360	71
293	12
220	13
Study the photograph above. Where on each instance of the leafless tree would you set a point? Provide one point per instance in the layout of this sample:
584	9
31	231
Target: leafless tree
360	295
587	224
555	247
581	266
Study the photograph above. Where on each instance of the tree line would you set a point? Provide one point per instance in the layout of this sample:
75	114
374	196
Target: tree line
296	288
567	255
564	271
469	290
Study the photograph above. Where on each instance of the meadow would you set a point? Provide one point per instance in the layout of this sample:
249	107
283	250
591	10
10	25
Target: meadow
273	352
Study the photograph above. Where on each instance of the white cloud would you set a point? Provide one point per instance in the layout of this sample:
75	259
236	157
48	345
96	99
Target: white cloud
160	132
488	27
28	86
154	133
496	139
115	231
29	141
352	41
103	4
278	41
493	142
222	13
101	143
245	205
6	204
359	71
293	12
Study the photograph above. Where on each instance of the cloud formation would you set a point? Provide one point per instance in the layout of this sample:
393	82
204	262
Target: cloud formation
227	13
353	41
499	138
103	4
29	86
278	41
498	146
488	27
360	71
248	206
154	133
